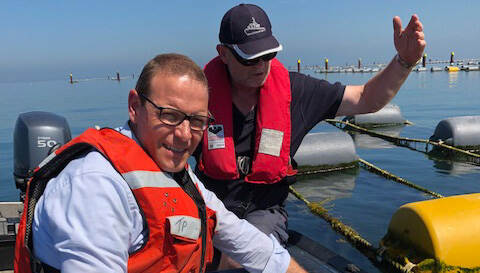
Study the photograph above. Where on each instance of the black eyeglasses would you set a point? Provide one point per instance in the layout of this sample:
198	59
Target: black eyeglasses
174	117
246	62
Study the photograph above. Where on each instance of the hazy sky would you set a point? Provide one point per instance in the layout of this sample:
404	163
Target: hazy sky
50	39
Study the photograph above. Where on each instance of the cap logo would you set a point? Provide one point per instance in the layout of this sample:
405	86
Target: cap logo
253	28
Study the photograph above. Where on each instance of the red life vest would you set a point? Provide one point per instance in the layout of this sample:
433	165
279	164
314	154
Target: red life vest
179	237
272	136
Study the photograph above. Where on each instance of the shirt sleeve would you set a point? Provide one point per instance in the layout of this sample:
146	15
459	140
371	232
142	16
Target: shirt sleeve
243	242
83	222
313	100
316	99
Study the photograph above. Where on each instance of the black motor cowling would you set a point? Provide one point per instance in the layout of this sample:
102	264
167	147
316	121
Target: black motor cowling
36	135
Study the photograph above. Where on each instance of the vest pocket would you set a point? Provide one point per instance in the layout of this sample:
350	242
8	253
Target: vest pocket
184	228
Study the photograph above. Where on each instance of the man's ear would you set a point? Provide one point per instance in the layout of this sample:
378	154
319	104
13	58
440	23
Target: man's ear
221	49
134	105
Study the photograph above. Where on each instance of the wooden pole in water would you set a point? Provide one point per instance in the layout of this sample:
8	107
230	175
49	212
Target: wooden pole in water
359	63
424	60
451	57
118	76
326	63
298	65
71	78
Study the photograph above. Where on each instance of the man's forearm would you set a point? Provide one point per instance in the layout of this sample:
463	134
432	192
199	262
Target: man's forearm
381	89
376	93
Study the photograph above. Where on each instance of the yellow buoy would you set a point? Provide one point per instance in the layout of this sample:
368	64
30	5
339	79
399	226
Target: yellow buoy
446	229
452	68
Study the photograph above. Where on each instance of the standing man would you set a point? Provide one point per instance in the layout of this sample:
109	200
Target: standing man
263	112
125	200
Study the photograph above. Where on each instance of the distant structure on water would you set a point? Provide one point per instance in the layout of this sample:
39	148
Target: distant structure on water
450	65
116	78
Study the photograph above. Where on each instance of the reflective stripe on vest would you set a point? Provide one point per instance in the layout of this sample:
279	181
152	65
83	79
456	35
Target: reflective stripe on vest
142	179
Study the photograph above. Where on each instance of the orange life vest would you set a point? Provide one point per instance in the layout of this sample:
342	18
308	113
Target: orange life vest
179	233
271	157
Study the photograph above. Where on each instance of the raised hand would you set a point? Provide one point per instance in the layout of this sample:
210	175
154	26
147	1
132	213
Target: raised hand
409	42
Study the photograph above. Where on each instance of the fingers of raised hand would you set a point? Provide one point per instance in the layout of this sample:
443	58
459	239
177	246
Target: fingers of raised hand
418	26
414	24
411	23
409	42
414	30
421	44
414	50
419	35
397	26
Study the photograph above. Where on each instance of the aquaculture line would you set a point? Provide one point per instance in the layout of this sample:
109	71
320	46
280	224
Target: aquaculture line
407	142
384	255
372	168
376	255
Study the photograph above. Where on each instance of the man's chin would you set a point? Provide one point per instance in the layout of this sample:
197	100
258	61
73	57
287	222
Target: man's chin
173	166
172	169
259	83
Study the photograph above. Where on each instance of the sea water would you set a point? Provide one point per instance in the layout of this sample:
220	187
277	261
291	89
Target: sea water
366	201
357	197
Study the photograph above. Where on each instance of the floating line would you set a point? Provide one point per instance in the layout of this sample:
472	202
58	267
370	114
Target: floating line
372	168
327	170
405	141
365	247
380	255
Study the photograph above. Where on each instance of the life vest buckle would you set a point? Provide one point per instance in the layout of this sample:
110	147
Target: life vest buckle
243	165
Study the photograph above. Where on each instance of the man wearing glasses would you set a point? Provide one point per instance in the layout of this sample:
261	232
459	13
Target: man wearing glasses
125	200
263	112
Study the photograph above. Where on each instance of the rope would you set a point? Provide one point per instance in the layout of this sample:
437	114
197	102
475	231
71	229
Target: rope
405	141
431	265
382	255
372	168
374	254
326	170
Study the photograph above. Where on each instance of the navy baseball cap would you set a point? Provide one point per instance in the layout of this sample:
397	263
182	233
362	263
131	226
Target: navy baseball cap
247	29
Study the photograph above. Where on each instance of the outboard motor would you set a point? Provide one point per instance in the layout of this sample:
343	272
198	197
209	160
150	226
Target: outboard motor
36	135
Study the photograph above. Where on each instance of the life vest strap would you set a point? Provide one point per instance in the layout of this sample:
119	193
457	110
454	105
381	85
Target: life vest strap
37	186
185	181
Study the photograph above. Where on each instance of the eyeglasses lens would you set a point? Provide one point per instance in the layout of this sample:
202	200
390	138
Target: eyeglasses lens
252	62
174	117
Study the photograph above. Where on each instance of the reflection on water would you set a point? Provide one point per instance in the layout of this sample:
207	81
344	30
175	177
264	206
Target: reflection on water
366	201
368	142
327	186
422	79
452	79
454	167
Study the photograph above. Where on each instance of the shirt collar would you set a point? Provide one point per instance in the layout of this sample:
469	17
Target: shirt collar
127	131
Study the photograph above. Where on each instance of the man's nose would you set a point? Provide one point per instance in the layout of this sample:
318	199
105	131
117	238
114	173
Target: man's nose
183	130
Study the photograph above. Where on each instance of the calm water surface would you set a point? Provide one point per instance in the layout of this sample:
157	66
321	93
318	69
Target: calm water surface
359	198
366	201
